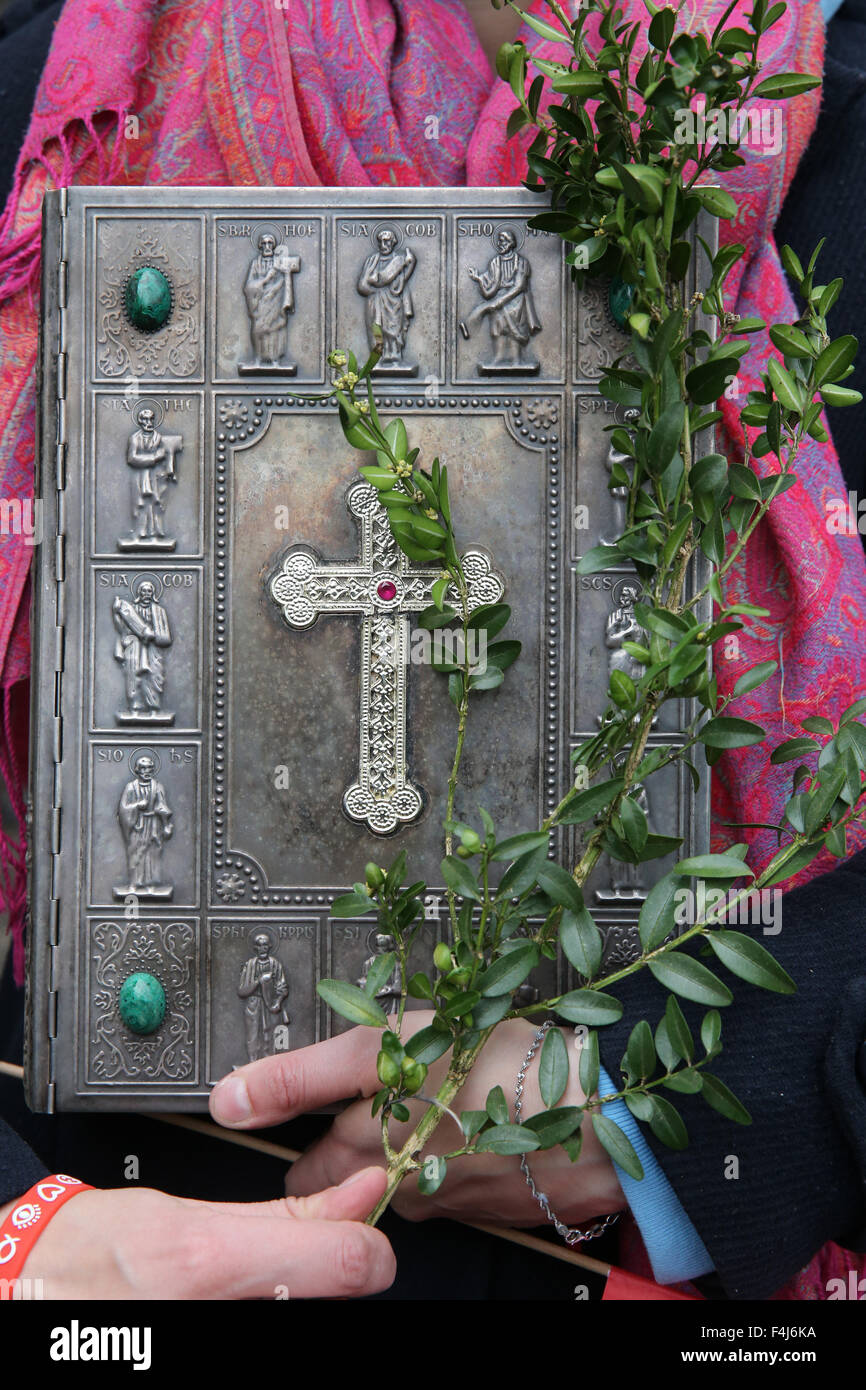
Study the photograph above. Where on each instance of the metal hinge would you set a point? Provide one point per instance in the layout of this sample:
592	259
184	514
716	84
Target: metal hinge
59	619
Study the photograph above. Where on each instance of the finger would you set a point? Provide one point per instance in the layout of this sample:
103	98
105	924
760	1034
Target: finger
290	1083
328	1161
239	1257
352	1200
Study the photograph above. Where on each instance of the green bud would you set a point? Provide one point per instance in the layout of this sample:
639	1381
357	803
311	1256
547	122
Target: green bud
374	876
388	1070
442	956
464	853
413	1075
471	840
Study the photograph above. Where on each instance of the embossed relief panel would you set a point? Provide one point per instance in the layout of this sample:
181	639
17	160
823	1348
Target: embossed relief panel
298	621
163	258
508	302
264	972
143	822
147	625
390	272
167	951
149	474
269	298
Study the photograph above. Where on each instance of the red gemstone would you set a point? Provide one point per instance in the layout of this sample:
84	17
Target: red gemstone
387	591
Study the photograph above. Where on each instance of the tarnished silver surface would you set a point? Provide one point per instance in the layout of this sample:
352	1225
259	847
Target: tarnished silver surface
232	709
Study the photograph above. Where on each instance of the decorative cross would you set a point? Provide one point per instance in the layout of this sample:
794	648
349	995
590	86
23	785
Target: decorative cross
382	586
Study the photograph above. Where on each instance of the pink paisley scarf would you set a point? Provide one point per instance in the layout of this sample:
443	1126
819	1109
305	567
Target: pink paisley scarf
341	92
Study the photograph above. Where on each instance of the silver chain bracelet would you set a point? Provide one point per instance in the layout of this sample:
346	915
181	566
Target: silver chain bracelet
572	1235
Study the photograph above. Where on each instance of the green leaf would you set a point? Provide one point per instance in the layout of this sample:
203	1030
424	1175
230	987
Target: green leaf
640	1051
380	971
688	1082
787	392
553	1068
726	732
821	801
719	1097
583	805
459	878
547	31
579	83
581	942
686	976
622	689
601	557
589	1006
799	860
507	1139
755	677
717	202
661	28
835	359
793	748
749	960
497	1106
506	974
658	911
785	85
521	874
492	617
711	1030
461	1004
352	905
612	1139
503	654
588	1066
678	1030
713	866
552	1126
419	986
667	1125
791	341
521	844
432	1175
559	886
471	1121
352	1003
665	438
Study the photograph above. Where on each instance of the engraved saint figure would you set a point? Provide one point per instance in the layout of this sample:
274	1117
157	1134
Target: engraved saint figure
623	626
145	823
152	457
388	995
264	988
508	306
143	633
384	283
270	297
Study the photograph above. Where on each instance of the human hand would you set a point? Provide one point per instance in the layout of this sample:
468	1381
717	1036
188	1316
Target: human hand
483	1187
142	1244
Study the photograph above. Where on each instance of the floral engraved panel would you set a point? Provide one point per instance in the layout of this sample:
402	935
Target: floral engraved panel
168	951
174	351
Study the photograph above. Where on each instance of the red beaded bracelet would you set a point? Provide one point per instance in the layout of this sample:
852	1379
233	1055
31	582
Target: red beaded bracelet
26	1222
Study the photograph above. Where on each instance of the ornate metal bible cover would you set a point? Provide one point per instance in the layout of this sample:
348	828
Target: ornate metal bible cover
221	733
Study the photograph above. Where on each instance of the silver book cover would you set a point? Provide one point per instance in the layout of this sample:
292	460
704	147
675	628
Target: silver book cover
233	706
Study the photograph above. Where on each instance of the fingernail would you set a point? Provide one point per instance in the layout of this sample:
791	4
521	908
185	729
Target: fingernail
232	1101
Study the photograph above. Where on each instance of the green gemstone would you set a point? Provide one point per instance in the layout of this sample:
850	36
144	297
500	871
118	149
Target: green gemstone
142	1002
620	297
147	299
